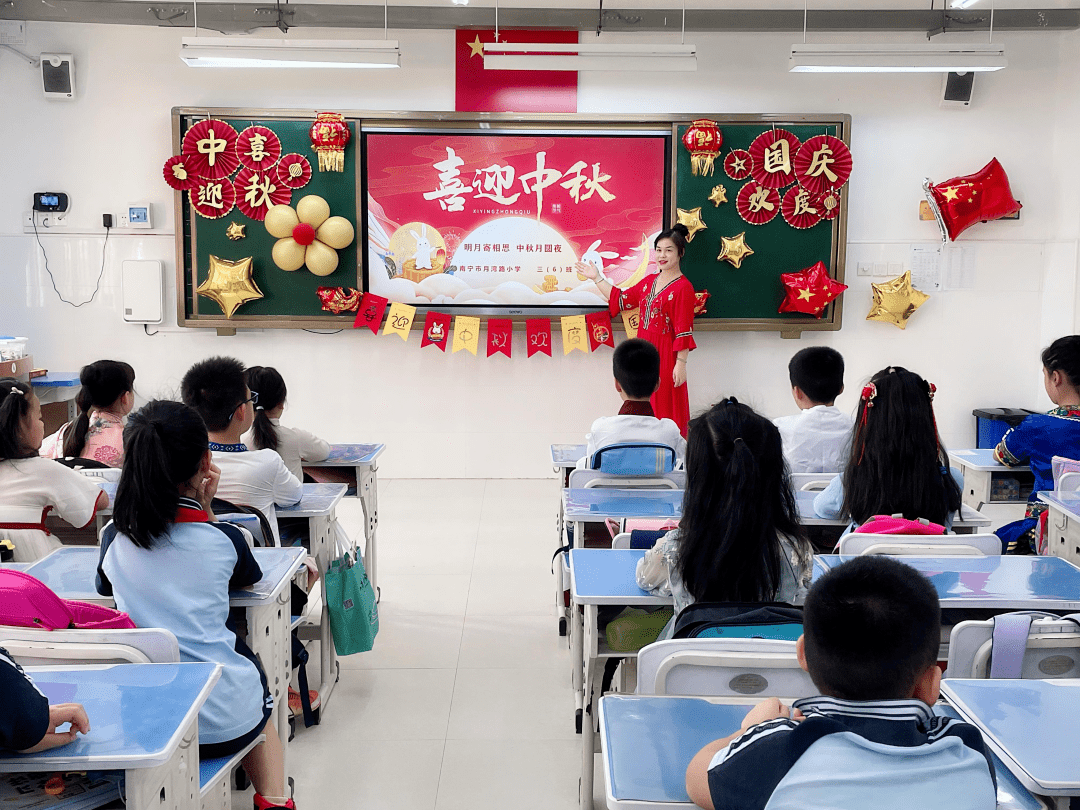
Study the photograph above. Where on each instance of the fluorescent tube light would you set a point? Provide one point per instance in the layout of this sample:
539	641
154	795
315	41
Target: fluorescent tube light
914	58
584	56
962	4
289	53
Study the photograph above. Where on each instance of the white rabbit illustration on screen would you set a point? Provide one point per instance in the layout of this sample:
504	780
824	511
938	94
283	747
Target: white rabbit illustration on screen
422	256
596	258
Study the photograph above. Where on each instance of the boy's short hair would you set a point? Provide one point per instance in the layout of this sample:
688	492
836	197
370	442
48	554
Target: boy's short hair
819	372
215	387
871	628
636	364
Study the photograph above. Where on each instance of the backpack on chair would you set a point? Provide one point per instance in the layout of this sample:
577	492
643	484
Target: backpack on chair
770	620
29	602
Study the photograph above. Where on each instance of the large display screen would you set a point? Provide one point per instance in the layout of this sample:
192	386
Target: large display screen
490	222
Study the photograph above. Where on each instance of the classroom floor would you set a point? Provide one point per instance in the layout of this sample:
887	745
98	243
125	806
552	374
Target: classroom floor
466	701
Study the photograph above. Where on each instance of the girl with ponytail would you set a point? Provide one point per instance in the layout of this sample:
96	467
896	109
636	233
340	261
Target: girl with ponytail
31	486
294	445
667	302
106	397
168	563
739	539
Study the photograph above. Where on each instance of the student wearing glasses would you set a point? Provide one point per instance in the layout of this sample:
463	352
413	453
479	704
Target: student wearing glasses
216	388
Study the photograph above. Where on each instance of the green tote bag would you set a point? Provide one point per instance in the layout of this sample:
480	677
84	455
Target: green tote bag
350	599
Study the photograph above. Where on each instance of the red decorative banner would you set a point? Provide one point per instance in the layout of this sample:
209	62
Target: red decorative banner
371	312
822	163
213	199
210	149
599	327
436	330
757	204
500	336
258	148
538	336
258	192
774	154
800	208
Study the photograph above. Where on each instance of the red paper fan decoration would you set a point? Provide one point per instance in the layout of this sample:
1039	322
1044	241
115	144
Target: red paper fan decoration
800	208
809	290
257	192
823	162
738	164
177	174
210	149
829	204
773	153
258	148
293	171
757	204
213	199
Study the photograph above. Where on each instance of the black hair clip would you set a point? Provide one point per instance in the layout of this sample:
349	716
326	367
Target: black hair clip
729	401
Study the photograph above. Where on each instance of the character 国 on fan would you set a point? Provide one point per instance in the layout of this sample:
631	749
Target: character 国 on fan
666	300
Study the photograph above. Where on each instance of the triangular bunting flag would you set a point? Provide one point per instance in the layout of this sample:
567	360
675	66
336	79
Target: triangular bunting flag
399	320
436	330
500	335
631	318
574	334
599	324
370	313
538	335
466	333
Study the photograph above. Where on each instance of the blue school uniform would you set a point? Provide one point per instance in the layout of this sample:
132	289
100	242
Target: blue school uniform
1036	441
182	585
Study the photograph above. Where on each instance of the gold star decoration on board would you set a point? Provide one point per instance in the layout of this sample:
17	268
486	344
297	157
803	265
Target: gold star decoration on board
734	249
236	231
717	196
896	300
950	193
692	220
476	48
229	284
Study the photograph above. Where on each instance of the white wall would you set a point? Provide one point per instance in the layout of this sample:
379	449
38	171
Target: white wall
457	415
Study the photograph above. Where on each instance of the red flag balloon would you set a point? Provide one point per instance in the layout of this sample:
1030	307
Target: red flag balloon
962	201
436	330
538	336
809	290
599	326
370	313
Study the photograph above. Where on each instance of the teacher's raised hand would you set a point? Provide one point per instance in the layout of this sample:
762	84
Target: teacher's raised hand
589	270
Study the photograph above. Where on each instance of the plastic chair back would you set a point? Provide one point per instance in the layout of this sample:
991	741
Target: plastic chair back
638	458
589	479
51	647
1066	474
923	545
811	482
1046	646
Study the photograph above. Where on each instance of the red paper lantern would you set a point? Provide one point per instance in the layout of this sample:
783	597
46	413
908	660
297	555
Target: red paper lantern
210	149
823	162
800	208
178	175
213	199
809	290
962	201
293	171
258	147
330	135
702	140
738	164
774	153
757	204
258	192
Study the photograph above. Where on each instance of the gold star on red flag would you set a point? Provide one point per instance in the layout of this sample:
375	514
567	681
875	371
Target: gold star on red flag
476	48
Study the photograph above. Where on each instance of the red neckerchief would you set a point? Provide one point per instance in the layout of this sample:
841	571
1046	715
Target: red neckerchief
633	408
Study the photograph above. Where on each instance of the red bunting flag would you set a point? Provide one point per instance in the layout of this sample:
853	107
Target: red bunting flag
538	336
371	312
599	326
436	330
500	334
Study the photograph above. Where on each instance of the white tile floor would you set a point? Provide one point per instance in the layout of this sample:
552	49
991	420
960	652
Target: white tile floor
465	702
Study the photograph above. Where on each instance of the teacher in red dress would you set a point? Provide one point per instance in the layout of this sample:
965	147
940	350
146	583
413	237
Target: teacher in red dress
666	300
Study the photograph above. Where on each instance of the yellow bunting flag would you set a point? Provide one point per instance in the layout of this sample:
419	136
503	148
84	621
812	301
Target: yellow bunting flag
466	333
574	335
399	320
631	318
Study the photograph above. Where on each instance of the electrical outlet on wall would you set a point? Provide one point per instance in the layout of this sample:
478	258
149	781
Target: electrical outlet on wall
122	220
866	269
896	268
44	221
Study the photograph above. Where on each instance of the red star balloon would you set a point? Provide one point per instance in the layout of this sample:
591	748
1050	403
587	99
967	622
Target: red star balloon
809	290
962	201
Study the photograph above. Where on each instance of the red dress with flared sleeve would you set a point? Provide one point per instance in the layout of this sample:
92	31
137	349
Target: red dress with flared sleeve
667	322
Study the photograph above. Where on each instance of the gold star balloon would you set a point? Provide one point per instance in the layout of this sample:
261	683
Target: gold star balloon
734	249
692	220
229	284
236	231
896	300
718	195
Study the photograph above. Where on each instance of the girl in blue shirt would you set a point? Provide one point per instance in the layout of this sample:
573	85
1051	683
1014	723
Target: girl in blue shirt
1040	437
168	564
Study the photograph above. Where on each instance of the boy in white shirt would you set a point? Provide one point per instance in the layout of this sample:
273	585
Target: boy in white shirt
636	365
816	439
259	478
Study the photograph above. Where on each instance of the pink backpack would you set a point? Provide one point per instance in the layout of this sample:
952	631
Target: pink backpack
898	524
28	602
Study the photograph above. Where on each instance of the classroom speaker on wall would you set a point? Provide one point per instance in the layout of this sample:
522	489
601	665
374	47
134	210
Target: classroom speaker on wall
956	89
58	75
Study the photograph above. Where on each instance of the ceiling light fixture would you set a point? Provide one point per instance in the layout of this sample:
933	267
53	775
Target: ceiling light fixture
289	53
914	58
962	4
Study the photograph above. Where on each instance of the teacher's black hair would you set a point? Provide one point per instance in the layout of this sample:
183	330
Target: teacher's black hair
678	234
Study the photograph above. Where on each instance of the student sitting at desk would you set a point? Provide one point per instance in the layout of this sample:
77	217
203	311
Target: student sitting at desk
30	486
739	539
168	564
871	629
1040	437
217	390
816	439
106	397
636	365
267	433
897	463
28	723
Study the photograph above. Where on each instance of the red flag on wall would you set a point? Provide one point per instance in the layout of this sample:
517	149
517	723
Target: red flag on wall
600	334
370	313
436	330
538	336
480	90
500	335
